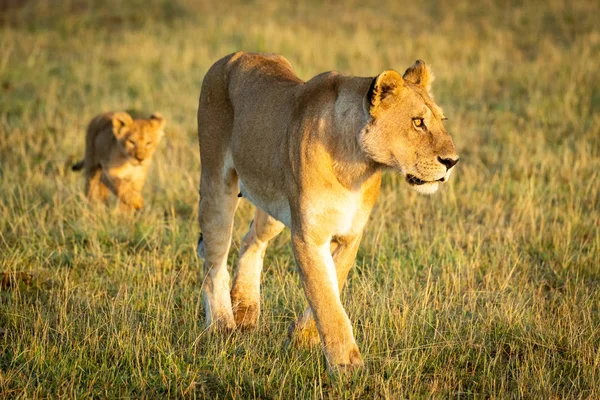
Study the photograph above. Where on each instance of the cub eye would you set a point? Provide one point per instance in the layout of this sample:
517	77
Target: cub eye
130	142
418	123
148	144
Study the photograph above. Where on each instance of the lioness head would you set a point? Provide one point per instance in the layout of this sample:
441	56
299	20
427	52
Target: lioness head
405	129
138	138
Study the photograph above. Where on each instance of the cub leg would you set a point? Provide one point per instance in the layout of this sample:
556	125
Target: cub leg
128	192
343	251
245	294
218	202
130	196
95	189
319	280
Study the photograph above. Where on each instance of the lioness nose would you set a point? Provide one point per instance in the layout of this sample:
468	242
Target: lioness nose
448	162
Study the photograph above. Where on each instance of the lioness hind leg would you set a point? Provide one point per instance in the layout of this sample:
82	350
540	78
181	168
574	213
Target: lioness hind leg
218	202
245	294
303	332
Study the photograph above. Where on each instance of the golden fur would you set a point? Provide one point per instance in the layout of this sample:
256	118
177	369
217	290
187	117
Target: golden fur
309	155
118	153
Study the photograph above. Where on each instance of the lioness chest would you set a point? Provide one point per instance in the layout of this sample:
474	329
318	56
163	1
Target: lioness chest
334	213
338	214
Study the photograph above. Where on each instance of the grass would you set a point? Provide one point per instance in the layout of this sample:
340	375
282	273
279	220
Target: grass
490	288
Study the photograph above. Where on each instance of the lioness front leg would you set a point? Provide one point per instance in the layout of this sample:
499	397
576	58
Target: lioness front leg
320	283
245	294
343	250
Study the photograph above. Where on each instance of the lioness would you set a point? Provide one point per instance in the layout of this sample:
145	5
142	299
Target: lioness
309	155
118	153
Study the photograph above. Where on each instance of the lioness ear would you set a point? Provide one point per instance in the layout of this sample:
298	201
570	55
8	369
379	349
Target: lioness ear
382	86
121	121
419	74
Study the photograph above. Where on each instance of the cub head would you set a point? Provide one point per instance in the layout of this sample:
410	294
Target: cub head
138	138
405	128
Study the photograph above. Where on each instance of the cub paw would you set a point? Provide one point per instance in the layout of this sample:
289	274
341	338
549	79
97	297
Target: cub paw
131	202
137	203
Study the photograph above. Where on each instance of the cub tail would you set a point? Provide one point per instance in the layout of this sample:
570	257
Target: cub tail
78	166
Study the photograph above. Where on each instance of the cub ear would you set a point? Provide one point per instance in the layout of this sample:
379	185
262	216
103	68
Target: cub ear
419	74
383	85
121	121
158	120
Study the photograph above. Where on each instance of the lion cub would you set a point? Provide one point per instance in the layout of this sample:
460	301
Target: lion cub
118	153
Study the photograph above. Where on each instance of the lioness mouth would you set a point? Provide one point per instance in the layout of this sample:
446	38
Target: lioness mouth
413	180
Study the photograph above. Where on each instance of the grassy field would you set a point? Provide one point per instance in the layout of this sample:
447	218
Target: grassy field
489	288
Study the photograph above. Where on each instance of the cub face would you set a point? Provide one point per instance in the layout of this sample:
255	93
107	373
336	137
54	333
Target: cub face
137	139
405	129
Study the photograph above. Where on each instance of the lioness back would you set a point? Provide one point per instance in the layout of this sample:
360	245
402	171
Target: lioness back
118	153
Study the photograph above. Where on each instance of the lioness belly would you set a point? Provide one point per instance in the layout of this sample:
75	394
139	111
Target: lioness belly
276	206
261	177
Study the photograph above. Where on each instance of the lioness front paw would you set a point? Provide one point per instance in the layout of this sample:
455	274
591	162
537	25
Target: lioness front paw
343	360
223	324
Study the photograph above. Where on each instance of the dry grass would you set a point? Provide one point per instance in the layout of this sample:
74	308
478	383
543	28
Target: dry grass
490	288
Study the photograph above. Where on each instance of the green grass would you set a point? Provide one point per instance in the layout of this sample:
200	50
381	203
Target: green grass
489	288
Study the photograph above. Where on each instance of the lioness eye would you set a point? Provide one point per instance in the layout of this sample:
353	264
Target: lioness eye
418	122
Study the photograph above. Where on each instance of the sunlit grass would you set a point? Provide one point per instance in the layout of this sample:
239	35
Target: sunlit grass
490	287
